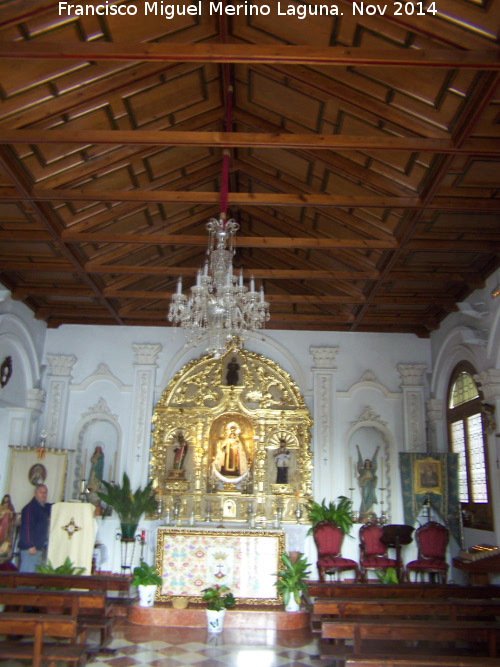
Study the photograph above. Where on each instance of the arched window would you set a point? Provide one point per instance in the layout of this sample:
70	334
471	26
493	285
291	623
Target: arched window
466	437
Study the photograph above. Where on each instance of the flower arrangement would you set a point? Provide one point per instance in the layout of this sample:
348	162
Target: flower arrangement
218	597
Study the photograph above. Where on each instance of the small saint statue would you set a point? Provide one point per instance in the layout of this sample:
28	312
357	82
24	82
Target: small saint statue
282	459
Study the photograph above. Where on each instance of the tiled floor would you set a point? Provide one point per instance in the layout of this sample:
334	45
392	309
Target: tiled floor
174	647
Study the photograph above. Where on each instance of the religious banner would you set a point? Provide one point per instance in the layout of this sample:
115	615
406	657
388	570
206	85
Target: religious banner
432	477
245	561
28	468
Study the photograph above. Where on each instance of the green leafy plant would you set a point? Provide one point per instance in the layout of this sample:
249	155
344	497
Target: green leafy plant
129	506
291	579
218	597
145	575
338	513
389	576
66	568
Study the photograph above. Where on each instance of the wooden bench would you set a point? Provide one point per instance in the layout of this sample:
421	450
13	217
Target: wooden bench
421	660
414	591
97	582
359	630
40	627
89	607
453	609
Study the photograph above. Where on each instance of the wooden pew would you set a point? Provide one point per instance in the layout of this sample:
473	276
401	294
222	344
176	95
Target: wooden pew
41	627
359	630
89	607
95	582
453	609
421	590
422	661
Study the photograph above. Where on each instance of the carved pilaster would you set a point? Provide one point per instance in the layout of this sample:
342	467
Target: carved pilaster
142	408
146	354
412	376
489	381
324	357
324	383
58	384
434	413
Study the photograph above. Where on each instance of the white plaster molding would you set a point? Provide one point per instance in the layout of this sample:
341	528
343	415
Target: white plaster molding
146	354
35	399
15	331
415	414
369	415
489	381
412	375
370	419
369	381
324	357
101	373
101	408
434	410
61	365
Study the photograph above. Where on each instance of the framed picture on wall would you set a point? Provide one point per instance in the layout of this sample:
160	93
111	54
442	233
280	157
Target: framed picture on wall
27	470
428	476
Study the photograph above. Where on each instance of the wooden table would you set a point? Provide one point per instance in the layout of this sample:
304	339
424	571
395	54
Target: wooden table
478	571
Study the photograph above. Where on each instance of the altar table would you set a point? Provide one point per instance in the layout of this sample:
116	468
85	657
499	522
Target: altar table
247	561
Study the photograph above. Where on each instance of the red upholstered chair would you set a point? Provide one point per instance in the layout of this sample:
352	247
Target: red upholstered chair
372	552
432	540
328	539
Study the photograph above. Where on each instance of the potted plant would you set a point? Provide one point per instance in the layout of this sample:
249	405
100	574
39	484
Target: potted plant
339	513
147	581
387	576
129	506
291	581
218	599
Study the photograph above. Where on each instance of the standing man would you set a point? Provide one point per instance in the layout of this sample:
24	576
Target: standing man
34	534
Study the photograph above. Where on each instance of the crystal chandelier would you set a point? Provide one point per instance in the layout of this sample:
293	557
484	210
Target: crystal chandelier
220	306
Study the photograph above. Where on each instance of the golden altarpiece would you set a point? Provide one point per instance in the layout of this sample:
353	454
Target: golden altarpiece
231	442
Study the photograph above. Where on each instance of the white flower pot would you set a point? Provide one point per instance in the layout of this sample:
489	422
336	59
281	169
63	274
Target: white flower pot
292	605
147	595
215	620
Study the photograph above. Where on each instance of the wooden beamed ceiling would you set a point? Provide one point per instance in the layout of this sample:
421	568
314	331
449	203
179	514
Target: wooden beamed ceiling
364	160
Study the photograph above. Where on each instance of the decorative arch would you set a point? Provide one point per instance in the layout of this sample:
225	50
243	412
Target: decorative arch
368	421
108	428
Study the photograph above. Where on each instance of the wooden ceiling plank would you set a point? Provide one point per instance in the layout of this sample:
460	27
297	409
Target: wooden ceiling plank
252	53
252	199
242	241
176	137
295	274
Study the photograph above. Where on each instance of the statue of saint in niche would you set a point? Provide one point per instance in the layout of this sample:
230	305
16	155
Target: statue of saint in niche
232	374
231	458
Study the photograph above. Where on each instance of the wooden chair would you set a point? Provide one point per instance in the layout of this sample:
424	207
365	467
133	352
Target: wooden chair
372	552
328	539
432	541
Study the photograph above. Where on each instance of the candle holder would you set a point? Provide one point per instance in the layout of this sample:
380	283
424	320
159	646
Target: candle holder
298	512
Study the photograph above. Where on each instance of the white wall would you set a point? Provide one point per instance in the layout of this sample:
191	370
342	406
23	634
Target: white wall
104	394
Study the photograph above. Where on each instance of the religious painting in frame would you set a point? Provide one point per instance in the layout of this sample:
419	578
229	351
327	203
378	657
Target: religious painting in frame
27	469
246	561
428	476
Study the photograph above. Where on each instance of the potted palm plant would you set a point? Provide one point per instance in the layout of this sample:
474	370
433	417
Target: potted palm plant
129	506
339	513
147	580
291	582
